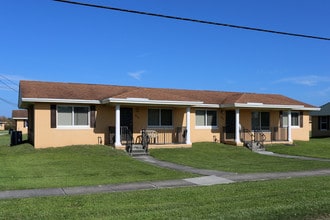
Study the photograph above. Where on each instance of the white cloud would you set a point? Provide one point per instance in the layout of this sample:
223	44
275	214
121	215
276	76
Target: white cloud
311	80
136	75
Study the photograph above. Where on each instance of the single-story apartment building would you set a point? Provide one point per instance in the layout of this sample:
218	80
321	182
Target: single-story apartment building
21	120
321	121
2	125
61	114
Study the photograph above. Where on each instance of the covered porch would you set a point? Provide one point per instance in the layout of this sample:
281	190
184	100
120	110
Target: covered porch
165	124
157	138
265	126
273	135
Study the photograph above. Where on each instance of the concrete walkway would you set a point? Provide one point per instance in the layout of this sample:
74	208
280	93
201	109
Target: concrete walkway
269	153
228	177
208	177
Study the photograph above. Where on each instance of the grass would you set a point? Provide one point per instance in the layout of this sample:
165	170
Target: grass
222	157
316	147
300	198
23	167
297	198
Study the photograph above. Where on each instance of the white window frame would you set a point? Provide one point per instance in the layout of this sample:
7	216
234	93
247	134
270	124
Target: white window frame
205	126
285	115
160	118
73	126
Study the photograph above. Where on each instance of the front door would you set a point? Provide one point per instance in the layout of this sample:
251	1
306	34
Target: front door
126	125
126	118
230	124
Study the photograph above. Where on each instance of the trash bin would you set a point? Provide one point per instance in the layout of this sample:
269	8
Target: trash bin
15	138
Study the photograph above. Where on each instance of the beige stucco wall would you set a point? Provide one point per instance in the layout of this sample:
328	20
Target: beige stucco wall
297	133
301	133
20	126
45	136
140	121
200	134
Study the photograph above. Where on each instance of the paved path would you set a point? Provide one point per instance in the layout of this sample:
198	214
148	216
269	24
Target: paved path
228	177
209	177
269	153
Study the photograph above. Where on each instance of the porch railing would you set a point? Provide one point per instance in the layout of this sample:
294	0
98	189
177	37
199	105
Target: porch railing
272	134
156	135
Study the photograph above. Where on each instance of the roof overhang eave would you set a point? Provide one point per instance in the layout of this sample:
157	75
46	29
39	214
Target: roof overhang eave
144	101
269	106
62	101
19	118
207	106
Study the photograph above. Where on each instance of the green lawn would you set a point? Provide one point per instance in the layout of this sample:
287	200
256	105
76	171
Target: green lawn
316	147
297	198
238	159
23	167
300	198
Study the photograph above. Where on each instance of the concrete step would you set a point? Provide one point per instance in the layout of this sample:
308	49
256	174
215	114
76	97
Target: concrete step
137	147
255	146
138	150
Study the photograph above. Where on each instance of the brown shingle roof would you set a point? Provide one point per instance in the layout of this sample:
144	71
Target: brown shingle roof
19	113
272	99
59	90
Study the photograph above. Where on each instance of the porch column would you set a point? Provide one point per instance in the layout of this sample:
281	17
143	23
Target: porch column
118	142
237	127
188	125
289	126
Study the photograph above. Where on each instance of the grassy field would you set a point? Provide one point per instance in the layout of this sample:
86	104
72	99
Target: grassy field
241	160
300	198
316	147
297	198
23	167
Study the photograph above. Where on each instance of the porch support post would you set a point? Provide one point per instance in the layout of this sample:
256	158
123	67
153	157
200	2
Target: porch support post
118	142
237	137
188	125
289	126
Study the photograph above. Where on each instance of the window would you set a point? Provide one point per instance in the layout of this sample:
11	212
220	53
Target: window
206	118
323	123
73	116
25	123
260	121
160	117
295	119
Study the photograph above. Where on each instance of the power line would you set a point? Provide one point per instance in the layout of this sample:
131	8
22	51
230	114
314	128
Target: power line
8	102
194	20
9	80
10	87
6	84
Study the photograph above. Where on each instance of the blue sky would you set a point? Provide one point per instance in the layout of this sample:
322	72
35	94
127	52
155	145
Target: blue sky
52	41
